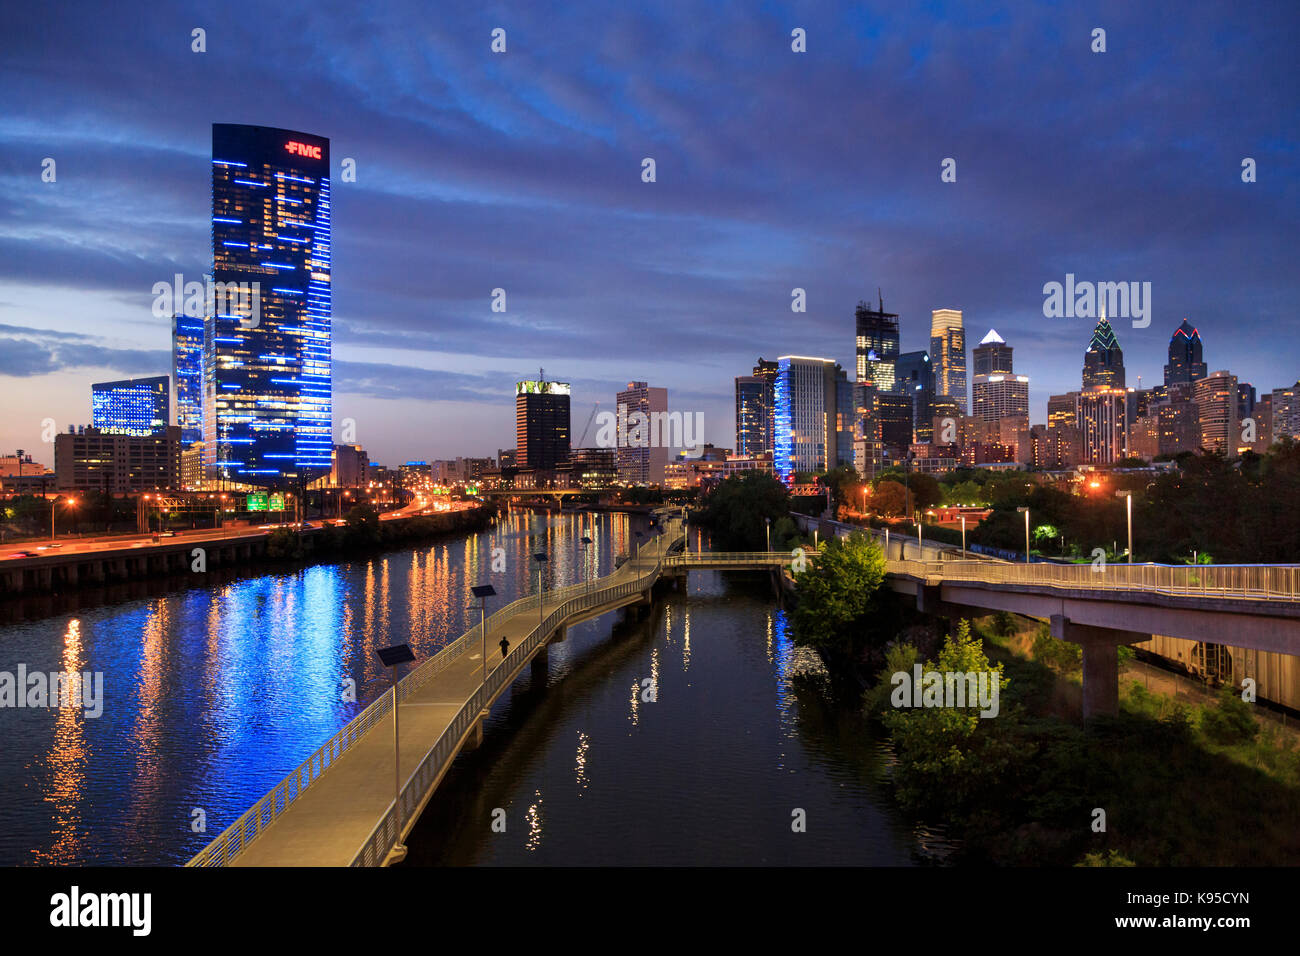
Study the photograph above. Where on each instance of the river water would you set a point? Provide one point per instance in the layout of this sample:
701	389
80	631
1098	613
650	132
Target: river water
213	694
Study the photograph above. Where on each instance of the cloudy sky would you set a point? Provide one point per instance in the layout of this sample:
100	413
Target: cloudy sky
775	170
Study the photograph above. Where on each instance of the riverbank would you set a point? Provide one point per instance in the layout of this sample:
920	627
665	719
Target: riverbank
77	581
1168	782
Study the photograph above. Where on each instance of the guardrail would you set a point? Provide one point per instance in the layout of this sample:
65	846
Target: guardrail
756	558
1253	582
235	838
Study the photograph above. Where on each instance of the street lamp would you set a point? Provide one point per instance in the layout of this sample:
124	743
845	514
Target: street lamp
392	657
67	503
1128	508
1023	509
768	523
963	537
483	592
586	576
541	559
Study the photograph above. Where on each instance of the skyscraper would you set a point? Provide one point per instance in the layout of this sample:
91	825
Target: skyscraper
948	353
1216	405
642	456
755	410
1103	363
915	379
877	346
814	416
997	393
267	412
187	376
1185	363
133	406
1103	426
541	424
1286	412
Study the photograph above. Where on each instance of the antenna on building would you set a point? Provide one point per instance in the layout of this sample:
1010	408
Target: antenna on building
541	374
882	298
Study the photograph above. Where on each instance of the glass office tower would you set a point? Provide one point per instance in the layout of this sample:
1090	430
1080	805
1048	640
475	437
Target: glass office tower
266	364
187	376
133	406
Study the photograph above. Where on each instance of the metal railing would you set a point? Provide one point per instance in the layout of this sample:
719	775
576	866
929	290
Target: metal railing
251	824
697	559
1254	582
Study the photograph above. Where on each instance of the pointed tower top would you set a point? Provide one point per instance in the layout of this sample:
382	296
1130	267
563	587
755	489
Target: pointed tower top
993	338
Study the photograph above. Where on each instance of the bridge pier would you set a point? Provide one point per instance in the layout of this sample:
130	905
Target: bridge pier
1100	661
474	739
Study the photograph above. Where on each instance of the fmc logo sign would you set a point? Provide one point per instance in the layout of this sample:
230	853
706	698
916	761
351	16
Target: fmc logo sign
302	149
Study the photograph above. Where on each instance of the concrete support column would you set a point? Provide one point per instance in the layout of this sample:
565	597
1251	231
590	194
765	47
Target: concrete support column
474	739
1100	661
560	634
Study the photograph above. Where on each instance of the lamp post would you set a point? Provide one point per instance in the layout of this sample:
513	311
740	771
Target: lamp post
391	658
483	592
1025	511
1128	509
586	575
768	523
963	537
540	558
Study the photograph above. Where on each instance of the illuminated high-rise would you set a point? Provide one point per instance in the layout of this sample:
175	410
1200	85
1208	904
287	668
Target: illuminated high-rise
1103	363
267	411
1185	359
948	354
877	346
187	376
133	406
814	416
541	424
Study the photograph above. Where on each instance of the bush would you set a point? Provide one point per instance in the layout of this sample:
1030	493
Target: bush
1231	721
1059	655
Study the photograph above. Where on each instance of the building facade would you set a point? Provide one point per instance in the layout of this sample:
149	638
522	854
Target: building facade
187	376
1216	399
267	395
133	406
91	459
1185	359
541	424
641	456
814	416
948	354
877	346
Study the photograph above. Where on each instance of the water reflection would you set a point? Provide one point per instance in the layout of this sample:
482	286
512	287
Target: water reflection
213	694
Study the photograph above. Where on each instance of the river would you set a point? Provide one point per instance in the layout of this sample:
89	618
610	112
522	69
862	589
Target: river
212	694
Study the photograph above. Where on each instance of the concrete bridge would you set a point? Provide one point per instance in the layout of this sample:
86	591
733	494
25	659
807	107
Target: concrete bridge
338	807
1250	606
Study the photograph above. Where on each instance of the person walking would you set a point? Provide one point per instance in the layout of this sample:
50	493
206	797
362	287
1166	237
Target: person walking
505	646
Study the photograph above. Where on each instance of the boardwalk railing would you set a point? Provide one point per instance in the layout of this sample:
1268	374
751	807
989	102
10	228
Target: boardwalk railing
1255	582
759	559
251	824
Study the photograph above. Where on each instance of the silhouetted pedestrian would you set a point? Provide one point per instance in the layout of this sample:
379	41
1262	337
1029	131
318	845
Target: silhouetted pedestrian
505	646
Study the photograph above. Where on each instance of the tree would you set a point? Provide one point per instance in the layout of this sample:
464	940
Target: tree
363	525
837	595
889	498
737	508
949	754
845	485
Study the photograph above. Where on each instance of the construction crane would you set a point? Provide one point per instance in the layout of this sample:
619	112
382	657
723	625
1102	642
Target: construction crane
587	427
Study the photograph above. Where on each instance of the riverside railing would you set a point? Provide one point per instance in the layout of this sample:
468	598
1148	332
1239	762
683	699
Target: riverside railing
1251	582
252	823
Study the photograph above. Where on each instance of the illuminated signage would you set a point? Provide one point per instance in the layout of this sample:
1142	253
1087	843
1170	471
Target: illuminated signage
256	502
541	388
277	502
302	149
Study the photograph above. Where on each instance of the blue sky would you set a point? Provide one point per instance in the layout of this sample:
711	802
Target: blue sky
775	170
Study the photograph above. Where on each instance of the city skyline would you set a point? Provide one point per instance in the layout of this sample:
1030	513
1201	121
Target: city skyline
610	279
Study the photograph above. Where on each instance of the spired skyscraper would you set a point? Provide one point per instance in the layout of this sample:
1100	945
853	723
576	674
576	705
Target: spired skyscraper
267	411
1185	362
1103	363
948	355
